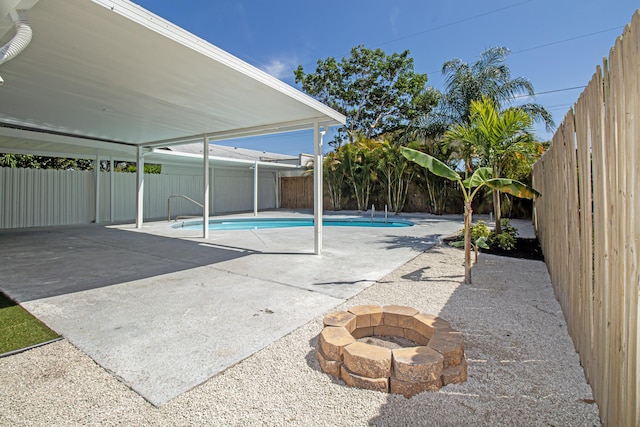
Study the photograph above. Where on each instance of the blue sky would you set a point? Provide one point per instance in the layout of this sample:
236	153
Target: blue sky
556	44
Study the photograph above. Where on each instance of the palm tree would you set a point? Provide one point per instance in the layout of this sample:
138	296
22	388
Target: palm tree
359	165
488	77
394	174
334	177
494	137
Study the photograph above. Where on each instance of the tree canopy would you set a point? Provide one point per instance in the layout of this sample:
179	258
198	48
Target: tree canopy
377	92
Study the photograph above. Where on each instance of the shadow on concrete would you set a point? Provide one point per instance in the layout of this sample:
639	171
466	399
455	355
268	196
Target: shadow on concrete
350	282
42	263
416	243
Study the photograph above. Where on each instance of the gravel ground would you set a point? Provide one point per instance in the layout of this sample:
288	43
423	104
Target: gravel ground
523	369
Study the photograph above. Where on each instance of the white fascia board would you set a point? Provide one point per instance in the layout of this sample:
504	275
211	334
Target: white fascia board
196	159
274	128
269	129
101	147
69	155
160	25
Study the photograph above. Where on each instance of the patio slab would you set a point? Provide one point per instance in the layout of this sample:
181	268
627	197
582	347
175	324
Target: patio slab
164	310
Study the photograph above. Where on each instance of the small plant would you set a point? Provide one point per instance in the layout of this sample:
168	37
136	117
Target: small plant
479	229
506	227
504	241
480	235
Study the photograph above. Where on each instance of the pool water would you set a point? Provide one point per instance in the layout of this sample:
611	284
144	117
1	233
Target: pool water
255	224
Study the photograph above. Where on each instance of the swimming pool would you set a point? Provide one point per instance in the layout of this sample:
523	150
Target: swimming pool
255	223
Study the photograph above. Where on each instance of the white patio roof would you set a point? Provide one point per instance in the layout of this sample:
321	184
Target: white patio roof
107	76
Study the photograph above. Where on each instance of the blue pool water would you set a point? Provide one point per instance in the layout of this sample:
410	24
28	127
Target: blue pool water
254	224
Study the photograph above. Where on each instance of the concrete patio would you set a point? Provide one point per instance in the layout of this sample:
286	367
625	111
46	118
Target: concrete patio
164	310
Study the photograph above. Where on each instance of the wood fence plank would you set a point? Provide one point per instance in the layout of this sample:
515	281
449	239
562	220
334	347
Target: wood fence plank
588	224
630	54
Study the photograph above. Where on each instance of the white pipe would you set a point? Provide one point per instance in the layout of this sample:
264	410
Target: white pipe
317	187
140	188
96	171
205	171
20	40
112	195
255	189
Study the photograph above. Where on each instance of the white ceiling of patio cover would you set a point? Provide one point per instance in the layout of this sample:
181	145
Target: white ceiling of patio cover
112	70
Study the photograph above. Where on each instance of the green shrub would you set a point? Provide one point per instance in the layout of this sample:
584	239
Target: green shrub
479	229
508	228
483	237
504	241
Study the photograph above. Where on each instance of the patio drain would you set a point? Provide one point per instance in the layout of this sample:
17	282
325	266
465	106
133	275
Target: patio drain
408	352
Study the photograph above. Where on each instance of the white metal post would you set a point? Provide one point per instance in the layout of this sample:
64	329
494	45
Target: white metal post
96	170
140	193
205	204
212	185
277	178
317	188
112	195
255	189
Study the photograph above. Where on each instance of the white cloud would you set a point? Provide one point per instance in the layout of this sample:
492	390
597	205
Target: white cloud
281	68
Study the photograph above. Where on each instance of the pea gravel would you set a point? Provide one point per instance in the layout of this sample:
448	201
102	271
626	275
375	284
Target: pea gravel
523	370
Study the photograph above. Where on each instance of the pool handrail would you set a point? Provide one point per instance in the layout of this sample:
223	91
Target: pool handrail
176	196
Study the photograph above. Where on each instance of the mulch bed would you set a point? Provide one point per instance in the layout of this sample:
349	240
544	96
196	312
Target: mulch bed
525	248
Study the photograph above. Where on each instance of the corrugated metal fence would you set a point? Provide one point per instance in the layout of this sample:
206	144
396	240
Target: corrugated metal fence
46	197
588	223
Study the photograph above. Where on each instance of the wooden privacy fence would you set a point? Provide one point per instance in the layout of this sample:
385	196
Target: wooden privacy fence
296	192
588	223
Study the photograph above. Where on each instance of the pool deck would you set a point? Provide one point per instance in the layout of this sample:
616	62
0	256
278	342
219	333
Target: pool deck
163	310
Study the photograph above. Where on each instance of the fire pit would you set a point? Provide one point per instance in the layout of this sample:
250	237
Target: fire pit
357	346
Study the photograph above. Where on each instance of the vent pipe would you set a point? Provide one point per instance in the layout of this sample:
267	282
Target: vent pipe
20	40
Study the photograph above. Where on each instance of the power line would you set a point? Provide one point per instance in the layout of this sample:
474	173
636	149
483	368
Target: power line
450	24
556	42
566	40
551	91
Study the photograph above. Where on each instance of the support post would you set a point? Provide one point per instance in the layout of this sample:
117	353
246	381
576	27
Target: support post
96	170
278	201
317	188
255	189
205	204
140	193
112	195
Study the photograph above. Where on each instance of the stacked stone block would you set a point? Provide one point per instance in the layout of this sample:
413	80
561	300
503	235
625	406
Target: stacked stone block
437	360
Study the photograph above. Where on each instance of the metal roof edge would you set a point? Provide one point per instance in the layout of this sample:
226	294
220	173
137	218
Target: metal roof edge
195	157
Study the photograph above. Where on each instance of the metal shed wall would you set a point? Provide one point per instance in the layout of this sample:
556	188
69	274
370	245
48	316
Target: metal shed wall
46	197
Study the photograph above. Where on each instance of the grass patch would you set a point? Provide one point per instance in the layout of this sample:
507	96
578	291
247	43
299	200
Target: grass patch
18	328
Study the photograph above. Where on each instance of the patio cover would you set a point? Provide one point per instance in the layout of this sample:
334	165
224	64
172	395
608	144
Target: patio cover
103	78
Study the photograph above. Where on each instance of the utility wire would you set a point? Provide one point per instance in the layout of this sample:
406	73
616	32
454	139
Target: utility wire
551	91
566	40
450	24
555	42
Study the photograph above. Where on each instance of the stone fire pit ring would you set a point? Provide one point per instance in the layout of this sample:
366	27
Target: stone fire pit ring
437	359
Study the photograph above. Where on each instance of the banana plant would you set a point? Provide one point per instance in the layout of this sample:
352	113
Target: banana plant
470	187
